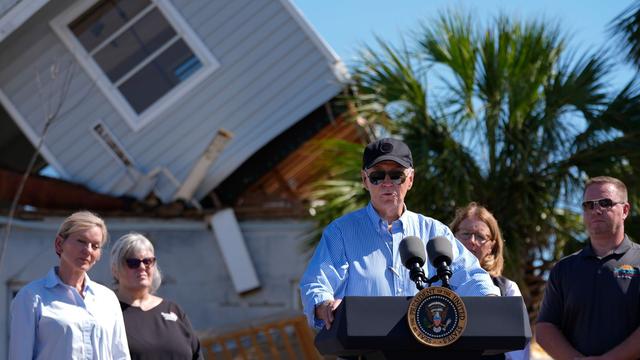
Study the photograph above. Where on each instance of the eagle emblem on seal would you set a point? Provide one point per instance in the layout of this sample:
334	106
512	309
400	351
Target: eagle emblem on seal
436	315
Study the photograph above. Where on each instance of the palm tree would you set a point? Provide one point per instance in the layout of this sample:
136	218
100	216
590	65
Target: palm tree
626	27
621	119
515	122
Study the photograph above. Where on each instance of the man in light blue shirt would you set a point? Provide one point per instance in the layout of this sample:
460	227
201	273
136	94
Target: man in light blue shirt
358	252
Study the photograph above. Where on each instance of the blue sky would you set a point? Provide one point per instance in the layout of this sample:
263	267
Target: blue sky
347	24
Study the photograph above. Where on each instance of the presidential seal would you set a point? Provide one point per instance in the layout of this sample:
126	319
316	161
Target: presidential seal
437	316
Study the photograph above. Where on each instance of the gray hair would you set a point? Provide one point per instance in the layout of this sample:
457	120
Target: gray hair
126	247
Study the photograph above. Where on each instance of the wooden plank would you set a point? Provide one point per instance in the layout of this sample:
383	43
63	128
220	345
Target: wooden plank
302	337
241	350
272	344
225	351
258	348
285	341
305	336
209	354
234	251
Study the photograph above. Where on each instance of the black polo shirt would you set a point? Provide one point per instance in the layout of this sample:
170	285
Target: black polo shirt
595	302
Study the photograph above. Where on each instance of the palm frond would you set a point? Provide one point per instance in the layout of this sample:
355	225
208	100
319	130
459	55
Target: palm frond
626	29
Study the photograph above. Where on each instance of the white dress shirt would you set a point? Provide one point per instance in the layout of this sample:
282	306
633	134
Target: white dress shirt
50	320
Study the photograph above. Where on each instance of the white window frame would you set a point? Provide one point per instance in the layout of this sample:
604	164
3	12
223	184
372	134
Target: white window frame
136	121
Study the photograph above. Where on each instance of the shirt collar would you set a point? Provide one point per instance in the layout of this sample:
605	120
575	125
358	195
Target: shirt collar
621	249
52	280
381	223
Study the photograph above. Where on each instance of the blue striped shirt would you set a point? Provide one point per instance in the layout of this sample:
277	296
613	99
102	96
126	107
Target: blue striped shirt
358	256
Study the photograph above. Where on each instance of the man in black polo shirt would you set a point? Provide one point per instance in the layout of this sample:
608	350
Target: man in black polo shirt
591	303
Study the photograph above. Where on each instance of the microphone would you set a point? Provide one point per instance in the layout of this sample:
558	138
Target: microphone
440	254
412	255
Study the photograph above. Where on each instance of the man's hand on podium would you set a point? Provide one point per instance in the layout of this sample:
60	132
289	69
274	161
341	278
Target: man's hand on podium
324	311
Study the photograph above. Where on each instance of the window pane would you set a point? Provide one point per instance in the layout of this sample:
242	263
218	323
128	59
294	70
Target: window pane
158	77
103	19
134	45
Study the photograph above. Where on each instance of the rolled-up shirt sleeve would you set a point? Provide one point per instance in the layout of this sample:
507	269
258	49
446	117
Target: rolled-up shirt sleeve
468	277
358	256
325	275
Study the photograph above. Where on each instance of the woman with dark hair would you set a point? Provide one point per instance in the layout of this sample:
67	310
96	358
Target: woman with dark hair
65	315
156	328
478	230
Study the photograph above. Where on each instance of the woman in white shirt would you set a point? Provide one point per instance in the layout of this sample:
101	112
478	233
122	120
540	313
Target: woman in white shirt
477	229
65	315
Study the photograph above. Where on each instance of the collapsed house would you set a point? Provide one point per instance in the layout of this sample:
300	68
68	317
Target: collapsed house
195	123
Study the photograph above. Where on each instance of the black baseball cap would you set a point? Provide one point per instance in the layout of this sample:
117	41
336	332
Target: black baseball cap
387	149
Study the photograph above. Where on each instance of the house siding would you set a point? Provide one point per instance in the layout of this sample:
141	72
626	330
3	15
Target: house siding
25	78
5	5
271	75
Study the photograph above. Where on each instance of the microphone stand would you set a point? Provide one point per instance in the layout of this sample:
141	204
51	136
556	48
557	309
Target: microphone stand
443	274
417	275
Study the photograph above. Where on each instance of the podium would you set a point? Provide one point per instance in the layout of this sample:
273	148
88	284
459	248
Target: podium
377	328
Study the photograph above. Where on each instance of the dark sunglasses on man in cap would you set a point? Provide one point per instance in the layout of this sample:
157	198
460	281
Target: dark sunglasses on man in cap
397	177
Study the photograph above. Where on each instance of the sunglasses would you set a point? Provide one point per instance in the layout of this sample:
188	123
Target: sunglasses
135	263
397	177
604	203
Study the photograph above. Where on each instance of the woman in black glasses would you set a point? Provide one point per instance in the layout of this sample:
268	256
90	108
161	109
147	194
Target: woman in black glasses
156	328
477	229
